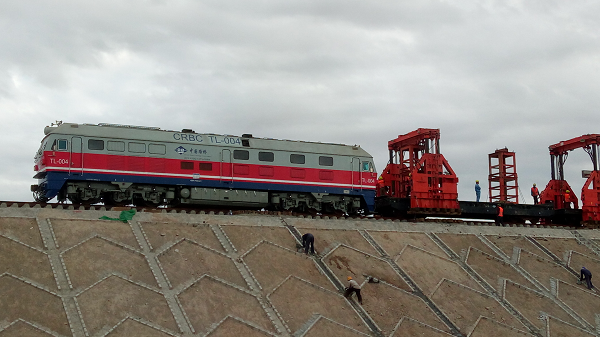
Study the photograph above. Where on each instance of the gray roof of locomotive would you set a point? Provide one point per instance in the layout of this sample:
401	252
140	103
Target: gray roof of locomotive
154	134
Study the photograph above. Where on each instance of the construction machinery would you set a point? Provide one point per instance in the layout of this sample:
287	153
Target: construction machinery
561	195
418	179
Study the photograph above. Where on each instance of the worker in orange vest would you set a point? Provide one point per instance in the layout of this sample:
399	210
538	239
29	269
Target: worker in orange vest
535	193
567	199
500	216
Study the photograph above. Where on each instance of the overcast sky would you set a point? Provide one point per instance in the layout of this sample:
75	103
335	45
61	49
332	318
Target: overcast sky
488	74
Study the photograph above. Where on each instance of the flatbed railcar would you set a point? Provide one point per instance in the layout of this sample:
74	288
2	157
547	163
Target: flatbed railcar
145	166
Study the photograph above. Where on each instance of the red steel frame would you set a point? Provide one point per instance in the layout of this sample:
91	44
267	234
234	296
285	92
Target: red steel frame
503	184
418	171
556	189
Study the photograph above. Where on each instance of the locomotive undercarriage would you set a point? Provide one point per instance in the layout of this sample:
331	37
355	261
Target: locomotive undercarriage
122	194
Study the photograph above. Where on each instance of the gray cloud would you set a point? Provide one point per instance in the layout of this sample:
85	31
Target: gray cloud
488	74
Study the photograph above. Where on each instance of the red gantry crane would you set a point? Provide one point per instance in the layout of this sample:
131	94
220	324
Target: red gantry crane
560	194
502	179
417	171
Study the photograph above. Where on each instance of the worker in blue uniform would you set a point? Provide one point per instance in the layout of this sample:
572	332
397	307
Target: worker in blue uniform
308	239
477	190
587	276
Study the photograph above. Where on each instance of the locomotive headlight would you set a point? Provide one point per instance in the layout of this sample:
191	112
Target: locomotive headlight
184	193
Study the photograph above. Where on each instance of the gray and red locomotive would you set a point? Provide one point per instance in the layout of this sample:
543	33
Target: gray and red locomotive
145	166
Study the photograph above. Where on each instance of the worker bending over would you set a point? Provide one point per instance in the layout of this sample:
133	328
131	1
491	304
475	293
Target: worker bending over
587	275
308	239
353	286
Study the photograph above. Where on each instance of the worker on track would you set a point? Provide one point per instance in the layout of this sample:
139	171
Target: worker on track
567	199
535	193
587	276
353	286
500	216
308	239
477	190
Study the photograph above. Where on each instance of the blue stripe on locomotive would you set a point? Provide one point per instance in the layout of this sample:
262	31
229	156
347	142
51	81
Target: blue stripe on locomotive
56	180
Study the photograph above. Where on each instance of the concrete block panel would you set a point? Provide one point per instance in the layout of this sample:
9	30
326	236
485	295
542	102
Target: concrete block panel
208	301
163	234
345	261
270	265
394	242
465	314
21	300
428	269
493	270
296	301
387	305
187	261
104	305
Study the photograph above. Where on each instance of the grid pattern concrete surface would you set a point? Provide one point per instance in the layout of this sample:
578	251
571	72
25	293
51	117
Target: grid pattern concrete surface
68	273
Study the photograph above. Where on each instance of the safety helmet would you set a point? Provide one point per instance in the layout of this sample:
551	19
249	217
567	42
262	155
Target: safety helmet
349	278
567	191
476	181
533	184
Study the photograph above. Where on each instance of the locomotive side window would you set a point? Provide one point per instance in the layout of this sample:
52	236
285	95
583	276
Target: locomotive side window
115	146
205	166
241	154
95	144
137	147
297	159
325	161
60	145
366	166
187	165
157	149
266	156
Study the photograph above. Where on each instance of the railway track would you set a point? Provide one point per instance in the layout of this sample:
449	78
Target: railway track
223	211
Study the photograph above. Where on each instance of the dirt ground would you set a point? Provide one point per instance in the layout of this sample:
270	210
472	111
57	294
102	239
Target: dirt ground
209	301
465	314
24	301
388	305
582	301
22	261
328	239
232	327
344	262
543	269
507	243
493	269
297	301
131	327
114	298
161	235
557	328
326	327
197	274
270	272
487	327
561	246
460	243
428	269
412	328
188	261
69	233
245	237
394	242
531	303
109	258
577	260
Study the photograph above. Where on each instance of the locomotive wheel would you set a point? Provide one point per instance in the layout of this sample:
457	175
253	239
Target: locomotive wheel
112	199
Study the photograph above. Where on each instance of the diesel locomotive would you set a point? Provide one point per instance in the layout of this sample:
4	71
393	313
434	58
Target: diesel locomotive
147	166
